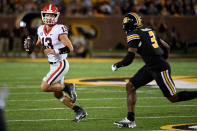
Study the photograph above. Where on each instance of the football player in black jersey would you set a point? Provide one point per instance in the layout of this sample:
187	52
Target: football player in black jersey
154	53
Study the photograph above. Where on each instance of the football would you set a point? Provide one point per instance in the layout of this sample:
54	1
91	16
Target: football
29	45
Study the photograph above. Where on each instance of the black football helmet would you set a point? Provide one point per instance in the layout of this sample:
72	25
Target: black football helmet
132	21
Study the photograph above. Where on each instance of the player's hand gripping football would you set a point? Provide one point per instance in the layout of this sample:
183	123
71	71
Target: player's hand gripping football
26	45
29	45
114	68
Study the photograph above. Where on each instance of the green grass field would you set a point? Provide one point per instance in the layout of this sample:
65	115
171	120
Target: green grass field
30	109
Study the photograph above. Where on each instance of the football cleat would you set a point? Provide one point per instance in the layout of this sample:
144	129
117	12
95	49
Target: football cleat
125	123
80	114
71	92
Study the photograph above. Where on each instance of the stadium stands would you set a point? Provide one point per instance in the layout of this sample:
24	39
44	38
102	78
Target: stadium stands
168	17
104	7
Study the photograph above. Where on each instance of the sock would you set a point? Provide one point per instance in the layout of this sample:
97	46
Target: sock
131	116
187	95
66	85
76	108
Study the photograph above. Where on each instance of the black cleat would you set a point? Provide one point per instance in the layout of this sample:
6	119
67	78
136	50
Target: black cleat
80	114
125	123
71	91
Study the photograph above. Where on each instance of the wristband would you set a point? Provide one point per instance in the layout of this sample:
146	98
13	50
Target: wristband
64	50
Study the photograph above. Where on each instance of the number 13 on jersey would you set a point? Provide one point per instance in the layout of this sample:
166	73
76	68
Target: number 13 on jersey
48	40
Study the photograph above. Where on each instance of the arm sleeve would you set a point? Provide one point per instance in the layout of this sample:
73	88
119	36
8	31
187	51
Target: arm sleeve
127	60
165	47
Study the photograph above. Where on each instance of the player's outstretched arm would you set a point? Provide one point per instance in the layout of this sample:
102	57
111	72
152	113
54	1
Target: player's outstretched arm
166	48
127	60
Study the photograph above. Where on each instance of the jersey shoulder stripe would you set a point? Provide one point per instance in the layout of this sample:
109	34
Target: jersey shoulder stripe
132	37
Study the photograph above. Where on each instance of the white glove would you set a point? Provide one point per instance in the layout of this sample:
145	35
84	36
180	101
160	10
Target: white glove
114	68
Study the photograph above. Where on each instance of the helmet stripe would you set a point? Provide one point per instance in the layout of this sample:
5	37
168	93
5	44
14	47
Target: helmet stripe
138	19
50	7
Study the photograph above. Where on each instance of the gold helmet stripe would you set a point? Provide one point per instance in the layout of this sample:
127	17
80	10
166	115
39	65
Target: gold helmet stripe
138	19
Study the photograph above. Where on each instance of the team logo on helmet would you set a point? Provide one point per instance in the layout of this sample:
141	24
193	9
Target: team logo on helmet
50	9
126	20
132	21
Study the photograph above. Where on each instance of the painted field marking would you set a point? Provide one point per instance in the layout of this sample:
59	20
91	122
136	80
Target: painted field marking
38	60
157	130
86	91
82	59
151	117
180	81
85	99
99	107
181	127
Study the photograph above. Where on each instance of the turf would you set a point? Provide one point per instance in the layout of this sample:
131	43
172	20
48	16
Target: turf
30	109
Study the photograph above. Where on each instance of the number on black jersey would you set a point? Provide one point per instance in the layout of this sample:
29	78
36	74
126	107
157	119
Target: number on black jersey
153	39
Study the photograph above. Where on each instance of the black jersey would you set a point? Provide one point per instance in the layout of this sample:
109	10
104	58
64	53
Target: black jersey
148	45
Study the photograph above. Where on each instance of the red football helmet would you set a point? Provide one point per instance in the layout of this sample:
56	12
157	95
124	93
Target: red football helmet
50	9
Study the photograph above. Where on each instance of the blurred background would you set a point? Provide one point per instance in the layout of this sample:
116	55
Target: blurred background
95	29
95	26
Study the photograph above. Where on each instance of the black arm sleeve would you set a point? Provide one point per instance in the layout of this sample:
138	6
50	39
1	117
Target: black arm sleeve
64	50
126	60
165	47
166	52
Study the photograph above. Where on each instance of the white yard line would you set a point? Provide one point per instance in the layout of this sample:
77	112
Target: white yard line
86	99
84	91
99	107
151	117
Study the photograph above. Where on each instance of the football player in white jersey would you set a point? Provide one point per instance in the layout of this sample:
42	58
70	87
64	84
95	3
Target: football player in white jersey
54	39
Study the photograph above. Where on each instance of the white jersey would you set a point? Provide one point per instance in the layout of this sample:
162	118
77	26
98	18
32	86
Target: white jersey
50	39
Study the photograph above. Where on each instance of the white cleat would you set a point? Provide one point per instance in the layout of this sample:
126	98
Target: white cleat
125	123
